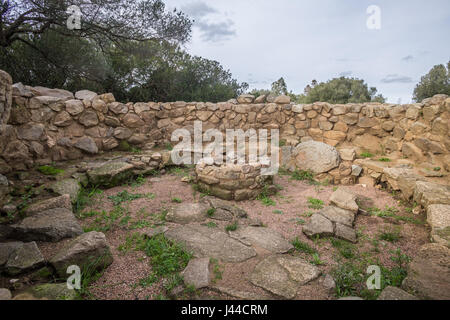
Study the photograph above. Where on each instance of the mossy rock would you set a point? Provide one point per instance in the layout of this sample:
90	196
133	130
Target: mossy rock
110	174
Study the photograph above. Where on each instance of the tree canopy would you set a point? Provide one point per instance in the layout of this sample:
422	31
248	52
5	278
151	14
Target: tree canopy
338	90
129	48
101	20
341	90
437	81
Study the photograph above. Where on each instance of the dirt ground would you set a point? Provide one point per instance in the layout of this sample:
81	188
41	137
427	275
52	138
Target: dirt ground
122	280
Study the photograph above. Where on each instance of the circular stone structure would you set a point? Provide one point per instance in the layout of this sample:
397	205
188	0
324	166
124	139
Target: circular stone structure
233	181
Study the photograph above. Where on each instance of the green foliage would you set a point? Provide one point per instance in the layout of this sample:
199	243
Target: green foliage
232	227
211	212
211	224
50	171
125	196
366	154
216	270
391	212
84	198
341	90
278	212
177	200
133	71
316	259
390	236
166	257
384	160
303	246
437	81
302	175
315	204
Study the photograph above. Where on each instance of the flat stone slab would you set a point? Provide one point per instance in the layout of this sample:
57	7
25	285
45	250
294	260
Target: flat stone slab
394	293
268	239
6	249
51	225
338	215
283	275
207	242
67	186
438	216
344	200
428	193
197	273
89	249
429	273
224	210
25	258
53	203
318	225
110	174
187	213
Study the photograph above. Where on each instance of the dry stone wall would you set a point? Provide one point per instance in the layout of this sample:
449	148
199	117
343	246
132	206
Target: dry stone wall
47	125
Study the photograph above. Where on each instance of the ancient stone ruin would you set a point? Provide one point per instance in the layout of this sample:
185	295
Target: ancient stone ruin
402	148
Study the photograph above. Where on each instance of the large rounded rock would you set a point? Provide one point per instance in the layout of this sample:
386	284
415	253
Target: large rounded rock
316	156
89	250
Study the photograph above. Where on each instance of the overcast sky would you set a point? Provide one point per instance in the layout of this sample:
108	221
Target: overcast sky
263	40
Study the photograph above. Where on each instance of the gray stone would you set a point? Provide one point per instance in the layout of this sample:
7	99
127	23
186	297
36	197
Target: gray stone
6	249
49	291
31	132
207	242
427	193
265	238
85	95
51	225
246	99
224	210
5	294
394	293
89	249
356	170
155	232
110	174
74	107
283	275
197	273
438	215
25	258
69	187
316	156
344	200
187	213
329	283
86	144
318	225
345	232
53	203
58	93
429	273
338	215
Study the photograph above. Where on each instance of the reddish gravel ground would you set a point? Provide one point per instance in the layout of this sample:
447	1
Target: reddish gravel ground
122	279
